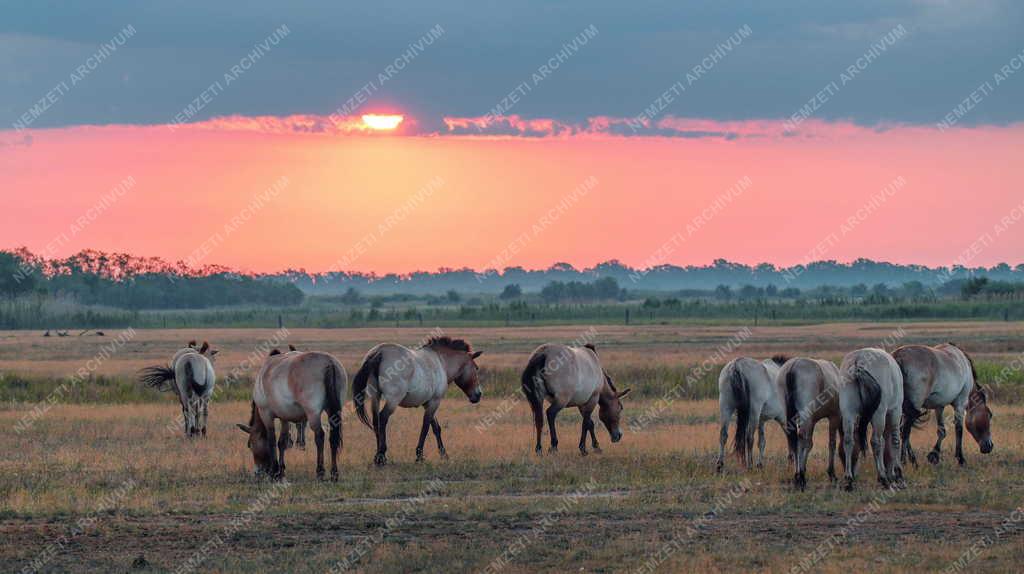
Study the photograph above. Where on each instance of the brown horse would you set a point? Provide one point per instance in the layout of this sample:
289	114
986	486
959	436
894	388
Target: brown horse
571	377
295	387
402	377
934	377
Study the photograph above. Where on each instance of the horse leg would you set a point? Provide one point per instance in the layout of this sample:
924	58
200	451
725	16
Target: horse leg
437	434
427	419
283	443
724	415
907	451
206	413
275	466
940	433
552	413
382	433
300	435
804	445
593	438
334	423
894	428
316	426
538	423
958	426
752	424
761	443
833	430
878	446
586	412
849	431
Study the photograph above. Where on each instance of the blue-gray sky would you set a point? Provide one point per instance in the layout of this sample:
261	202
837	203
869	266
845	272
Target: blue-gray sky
794	50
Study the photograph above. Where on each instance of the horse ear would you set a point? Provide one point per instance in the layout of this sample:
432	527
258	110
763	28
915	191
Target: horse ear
245	428
291	347
204	348
623	393
477	354
192	343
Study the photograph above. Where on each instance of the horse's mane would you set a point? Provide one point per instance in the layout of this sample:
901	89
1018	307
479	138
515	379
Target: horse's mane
970	361
780	359
274	352
447	342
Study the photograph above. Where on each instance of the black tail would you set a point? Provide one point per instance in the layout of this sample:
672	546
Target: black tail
792	427
534	370
870	397
190	378
159	378
371	366
740	392
333	404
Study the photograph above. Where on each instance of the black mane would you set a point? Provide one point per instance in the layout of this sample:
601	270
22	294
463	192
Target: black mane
447	342
780	359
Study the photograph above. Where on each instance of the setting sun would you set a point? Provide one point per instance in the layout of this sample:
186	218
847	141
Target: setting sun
381	122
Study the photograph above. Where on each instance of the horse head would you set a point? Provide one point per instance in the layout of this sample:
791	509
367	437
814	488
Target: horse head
259	444
979	419
610	408
468	377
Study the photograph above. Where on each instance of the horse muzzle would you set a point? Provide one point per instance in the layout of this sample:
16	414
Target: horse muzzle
616	436
986	446
475	398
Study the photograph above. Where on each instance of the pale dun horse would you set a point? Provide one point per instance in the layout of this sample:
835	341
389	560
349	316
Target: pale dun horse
571	377
810	391
190	374
934	377
398	376
871	392
747	387
296	387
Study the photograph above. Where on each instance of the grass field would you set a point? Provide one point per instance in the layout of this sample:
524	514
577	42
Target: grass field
99	483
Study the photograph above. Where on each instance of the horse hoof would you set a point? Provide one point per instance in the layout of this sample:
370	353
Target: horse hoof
849	485
320	475
596	450
961	460
553	449
334	476
380	460
933	457
583	452
759	465
444	455
538	451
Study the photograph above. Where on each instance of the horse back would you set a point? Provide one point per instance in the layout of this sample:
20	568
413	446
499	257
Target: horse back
572	375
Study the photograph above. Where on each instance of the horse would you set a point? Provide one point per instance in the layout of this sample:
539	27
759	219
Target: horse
747	387
810	391
295	387
571	377
934	377
190	373
404	377
871	391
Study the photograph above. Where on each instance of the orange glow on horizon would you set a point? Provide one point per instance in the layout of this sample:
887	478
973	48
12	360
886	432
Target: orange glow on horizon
382	122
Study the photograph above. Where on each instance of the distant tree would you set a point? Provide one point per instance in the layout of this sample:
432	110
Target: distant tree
771	290
723	292
511	291
790	293
351	297
973	286
651	303
17	275
453	296
749	292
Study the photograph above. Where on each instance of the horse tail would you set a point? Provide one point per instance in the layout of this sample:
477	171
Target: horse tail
190	380
870	398
333	389
371	366
159	378
911	414
532	375
792	427
741	394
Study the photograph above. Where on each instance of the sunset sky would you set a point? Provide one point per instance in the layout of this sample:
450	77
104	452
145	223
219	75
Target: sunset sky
530	135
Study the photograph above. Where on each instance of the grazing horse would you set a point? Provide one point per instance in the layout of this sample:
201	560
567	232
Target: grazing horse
934	377
571	377
191	375
295	387
747	387
404	377
871	391
810	392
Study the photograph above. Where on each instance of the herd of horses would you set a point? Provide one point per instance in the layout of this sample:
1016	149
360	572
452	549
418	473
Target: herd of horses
890	392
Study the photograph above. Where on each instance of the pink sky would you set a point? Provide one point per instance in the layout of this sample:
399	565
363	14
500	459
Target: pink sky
419	201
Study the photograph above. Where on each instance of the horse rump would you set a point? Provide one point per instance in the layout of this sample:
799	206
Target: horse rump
158	377
371	366
870	393
741	395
